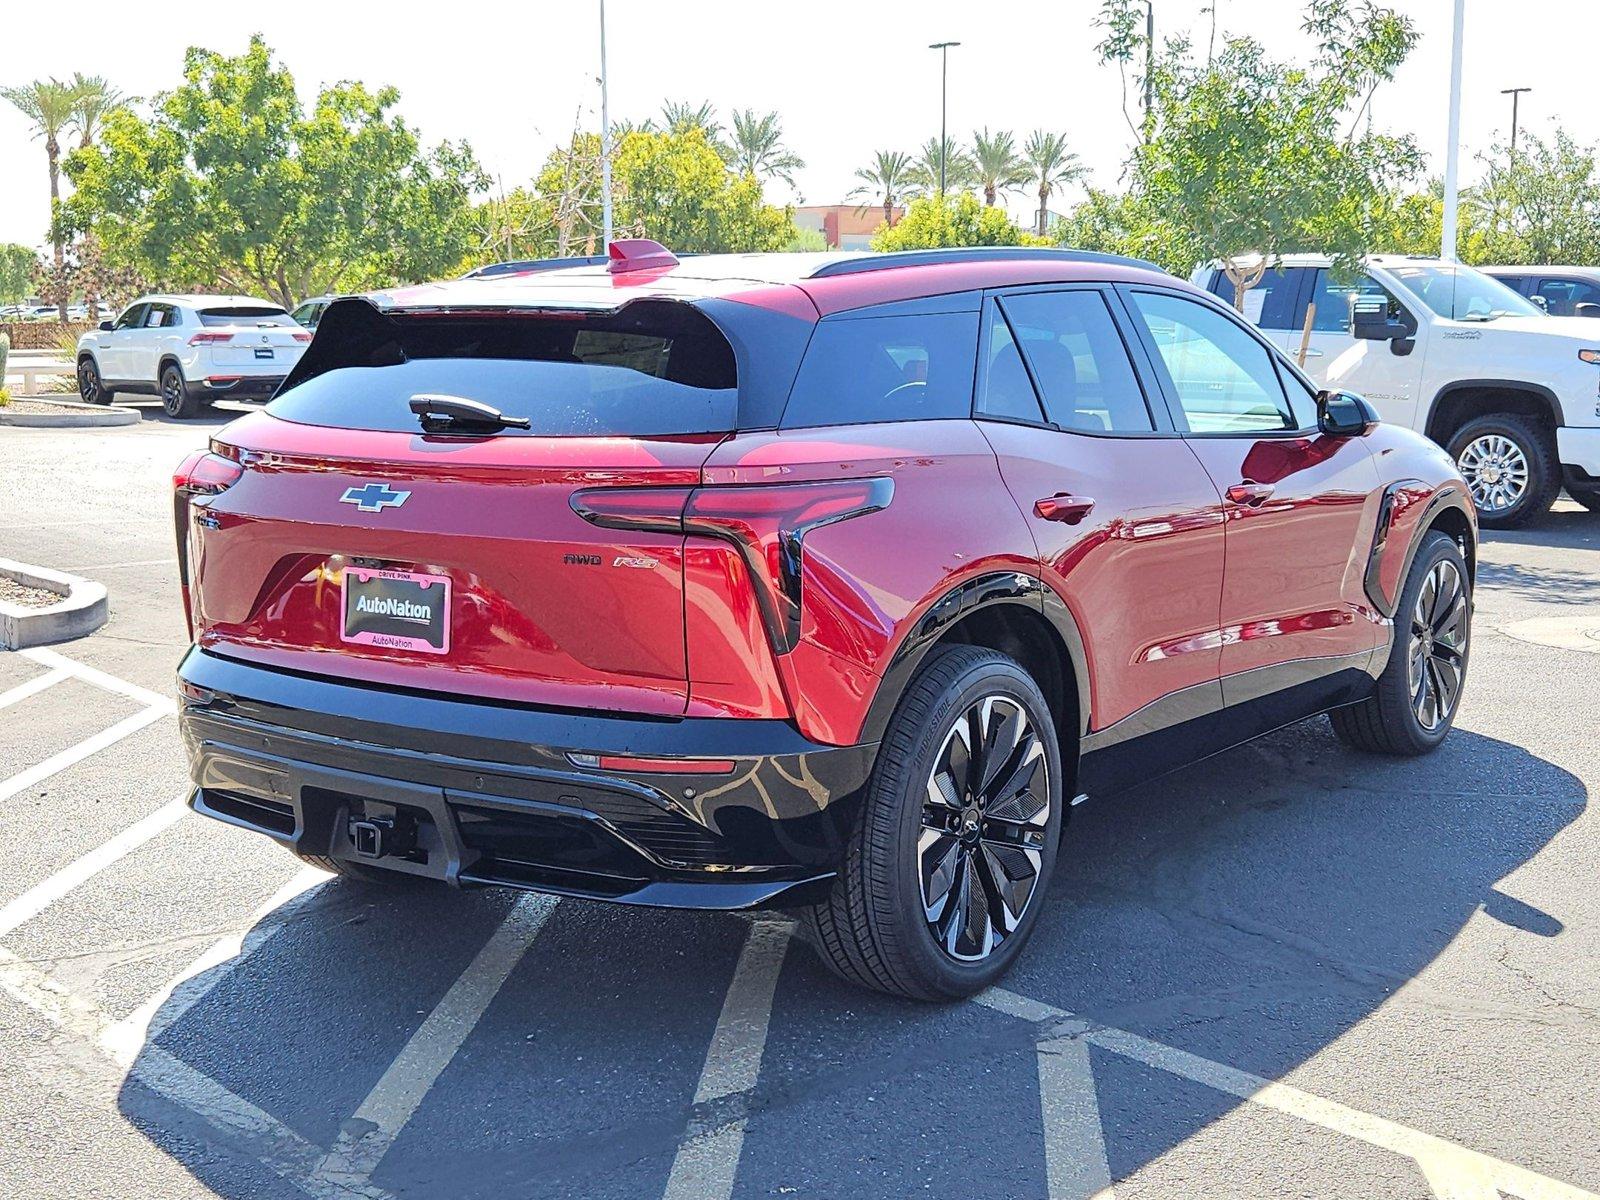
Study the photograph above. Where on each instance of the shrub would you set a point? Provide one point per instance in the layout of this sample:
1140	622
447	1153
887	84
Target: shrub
5	397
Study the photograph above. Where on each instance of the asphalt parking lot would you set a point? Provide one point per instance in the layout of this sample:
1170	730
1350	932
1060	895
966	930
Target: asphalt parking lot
1291	971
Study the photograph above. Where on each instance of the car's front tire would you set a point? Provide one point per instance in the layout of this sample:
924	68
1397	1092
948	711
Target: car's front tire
1419	692
91	389
175	397
1510	465
952	856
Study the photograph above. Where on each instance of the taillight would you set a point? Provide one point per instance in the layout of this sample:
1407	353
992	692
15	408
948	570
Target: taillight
767	522
301	337
210	337
205	473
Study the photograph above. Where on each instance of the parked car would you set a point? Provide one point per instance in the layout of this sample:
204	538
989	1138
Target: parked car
191	351
309	312
1512	393
817	581
1563	291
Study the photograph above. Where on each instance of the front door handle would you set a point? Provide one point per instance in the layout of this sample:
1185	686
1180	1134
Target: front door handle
1250	492
1067	509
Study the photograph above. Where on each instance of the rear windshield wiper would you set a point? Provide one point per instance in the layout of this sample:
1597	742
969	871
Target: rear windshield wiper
457	414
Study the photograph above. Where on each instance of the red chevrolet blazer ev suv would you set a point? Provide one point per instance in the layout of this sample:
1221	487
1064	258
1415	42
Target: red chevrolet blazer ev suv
821	582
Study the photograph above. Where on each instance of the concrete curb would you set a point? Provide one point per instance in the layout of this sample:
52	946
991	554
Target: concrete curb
82	609
74	414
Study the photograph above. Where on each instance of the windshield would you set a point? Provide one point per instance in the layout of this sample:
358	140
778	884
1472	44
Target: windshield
1463	294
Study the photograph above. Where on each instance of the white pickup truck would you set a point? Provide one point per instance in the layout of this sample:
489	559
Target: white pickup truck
1512	393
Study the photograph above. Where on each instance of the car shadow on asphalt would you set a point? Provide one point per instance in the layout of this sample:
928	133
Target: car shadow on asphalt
1252	909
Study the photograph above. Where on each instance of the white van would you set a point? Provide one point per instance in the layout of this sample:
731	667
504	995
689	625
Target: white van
1511	392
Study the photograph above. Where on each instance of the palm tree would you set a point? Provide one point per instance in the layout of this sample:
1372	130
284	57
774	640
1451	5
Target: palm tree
758	147
960	172
1000	167
680	116
48	104
1049	165
94	99
888	176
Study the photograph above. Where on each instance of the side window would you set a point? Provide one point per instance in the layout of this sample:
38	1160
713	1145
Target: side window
159	316
1007	390
1562	296
1271	303
1224	380
859	369
1077	355
133	317
1334	299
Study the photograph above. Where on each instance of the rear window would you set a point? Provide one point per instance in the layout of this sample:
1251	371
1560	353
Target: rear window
653	368
915	367
241	314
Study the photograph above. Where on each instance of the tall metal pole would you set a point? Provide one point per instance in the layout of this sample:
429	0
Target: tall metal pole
1150	55
605	135
1515	94
944	98
1452	157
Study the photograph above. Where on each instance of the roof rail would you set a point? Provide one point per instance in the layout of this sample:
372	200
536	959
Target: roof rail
520	266
961	254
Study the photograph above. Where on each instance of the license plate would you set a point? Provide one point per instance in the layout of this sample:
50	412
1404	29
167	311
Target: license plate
263	351
397	610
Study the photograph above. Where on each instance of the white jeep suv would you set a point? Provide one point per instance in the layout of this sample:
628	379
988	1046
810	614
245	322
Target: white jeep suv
190	351
1512	393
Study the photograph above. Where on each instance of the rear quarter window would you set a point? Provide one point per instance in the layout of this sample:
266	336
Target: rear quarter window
861	369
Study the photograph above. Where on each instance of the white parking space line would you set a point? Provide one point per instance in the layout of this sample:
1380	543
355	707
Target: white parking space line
1453	1171
46	657
117	566
33	687
45	893
707	1162
125	1038
395	1097
1074	1139
72	755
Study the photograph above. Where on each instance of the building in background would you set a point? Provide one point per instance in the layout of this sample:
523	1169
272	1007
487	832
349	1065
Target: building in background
844	226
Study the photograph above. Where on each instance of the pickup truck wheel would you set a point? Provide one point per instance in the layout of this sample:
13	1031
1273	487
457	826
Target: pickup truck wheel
1416	698
1509	463
175	397
946	872
89	386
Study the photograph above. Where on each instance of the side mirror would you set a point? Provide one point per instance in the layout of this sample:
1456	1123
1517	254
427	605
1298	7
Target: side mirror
1369	320
105	326
1587	309
1344	414
1540	302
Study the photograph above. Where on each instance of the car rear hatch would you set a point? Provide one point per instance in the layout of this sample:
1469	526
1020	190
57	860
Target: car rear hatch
250	339
348	540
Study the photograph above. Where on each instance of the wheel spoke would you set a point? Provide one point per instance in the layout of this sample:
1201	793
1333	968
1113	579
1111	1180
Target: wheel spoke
939	854
1015	798
1004	728
1448	679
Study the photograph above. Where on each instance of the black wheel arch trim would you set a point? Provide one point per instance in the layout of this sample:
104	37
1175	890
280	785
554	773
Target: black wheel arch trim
988	591
1451	495
1537	390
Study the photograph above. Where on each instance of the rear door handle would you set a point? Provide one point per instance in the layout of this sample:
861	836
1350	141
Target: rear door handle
1250	493
1067	509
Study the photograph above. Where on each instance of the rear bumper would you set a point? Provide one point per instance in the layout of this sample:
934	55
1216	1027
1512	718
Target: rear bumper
488	794
238	387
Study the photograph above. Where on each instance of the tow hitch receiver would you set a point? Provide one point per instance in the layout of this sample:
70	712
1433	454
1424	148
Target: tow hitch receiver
390	837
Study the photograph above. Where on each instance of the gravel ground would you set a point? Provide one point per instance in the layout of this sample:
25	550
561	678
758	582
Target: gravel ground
12	592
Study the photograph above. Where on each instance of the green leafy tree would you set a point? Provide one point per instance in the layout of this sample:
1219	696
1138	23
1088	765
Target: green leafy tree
758	147
890	176
1049	164
518	224
16	272
1001	169
1127	223
960	172
1243	155
48	106
683	116
231	184
806	241
676	189
1540	204
934	221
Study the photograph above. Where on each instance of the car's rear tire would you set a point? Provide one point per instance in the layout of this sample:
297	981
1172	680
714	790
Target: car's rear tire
917	908
360	872
1432	642
91	389
175	397
1510	465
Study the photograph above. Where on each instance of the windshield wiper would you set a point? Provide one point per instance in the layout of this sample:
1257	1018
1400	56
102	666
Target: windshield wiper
457	414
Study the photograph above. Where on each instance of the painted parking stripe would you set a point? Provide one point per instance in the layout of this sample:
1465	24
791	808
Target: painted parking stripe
33	687
707	1161
42	895
394	1098
72	755
47	657
1445	1164
124	1039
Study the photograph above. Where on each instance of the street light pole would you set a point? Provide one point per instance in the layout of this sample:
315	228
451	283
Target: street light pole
944	99
605	136
1452	154
1515	94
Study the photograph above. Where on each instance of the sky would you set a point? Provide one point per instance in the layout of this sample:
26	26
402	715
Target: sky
847	78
